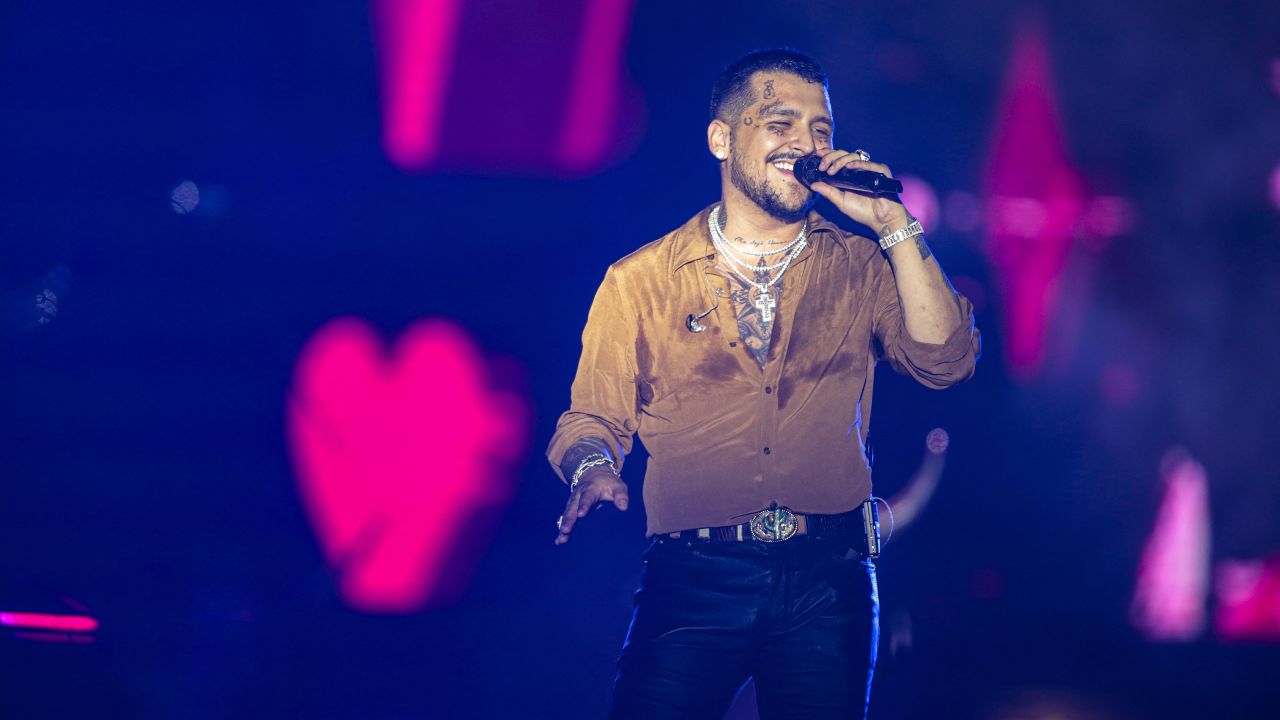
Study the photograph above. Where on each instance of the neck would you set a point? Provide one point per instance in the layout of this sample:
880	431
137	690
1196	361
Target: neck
746	222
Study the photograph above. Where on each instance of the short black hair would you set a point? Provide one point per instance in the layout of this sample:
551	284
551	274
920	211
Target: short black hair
732	93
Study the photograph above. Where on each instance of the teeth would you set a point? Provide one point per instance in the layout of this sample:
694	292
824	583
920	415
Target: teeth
783	165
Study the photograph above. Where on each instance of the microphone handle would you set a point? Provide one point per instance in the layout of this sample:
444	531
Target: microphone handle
864	181
869	181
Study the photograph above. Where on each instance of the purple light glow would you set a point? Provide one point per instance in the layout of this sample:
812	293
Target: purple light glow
1173	577
1275	188
1248	593
918	195
1120	385
441	70
1034	197
595	86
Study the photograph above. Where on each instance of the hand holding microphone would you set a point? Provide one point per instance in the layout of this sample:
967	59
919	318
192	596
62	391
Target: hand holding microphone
859	180
859	188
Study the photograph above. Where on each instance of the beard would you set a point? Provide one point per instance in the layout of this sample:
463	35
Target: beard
767	197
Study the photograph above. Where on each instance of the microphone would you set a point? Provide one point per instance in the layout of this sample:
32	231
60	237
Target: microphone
867	181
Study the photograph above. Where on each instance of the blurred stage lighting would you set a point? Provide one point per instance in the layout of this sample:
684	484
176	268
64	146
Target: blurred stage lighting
1107	216
403	458
919	195
50	627
1173	575
435	90
1035	196
190	198
907	504
48	621
1248	594
185	197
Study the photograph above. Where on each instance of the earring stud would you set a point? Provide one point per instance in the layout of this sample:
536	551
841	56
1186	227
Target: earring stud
721	154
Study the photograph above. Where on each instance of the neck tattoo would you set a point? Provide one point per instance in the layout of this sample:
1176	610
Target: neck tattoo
765	302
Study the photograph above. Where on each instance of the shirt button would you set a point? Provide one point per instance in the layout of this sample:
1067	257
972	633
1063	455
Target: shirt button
768	389
767	451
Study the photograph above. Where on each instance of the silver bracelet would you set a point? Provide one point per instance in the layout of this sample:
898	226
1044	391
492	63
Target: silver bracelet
905	233
587	463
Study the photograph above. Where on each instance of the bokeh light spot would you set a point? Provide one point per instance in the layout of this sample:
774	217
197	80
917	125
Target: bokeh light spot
184	198
919	196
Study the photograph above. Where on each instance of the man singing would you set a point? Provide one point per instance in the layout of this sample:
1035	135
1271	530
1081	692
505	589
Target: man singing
742	347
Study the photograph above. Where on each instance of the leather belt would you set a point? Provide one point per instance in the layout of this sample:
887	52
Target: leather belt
779	525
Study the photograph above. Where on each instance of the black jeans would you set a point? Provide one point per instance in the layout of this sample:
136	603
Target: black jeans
801	617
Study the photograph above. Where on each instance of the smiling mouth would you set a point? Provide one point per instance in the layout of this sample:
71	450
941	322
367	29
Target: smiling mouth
786	168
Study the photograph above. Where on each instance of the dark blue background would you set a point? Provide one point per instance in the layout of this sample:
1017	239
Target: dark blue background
143	465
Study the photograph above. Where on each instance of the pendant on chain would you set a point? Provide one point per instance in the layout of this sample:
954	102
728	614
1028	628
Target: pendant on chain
765	304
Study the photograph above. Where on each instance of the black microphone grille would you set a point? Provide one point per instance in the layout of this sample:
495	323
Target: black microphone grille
805	169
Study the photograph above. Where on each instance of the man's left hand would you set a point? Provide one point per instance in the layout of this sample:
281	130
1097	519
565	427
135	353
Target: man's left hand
884	214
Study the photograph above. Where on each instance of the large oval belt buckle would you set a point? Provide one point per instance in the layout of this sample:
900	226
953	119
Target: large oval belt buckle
773	525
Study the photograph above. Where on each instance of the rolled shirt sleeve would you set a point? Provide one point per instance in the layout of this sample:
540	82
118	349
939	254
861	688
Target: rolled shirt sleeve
935	366
603	400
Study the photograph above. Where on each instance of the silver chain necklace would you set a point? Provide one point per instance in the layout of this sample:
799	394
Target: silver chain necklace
722	242
764	302
715	223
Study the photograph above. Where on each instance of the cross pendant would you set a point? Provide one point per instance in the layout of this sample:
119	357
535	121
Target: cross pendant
765	304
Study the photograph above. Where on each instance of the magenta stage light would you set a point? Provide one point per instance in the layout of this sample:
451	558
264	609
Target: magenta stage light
48	621
503	87
415	40
1034	199
400	455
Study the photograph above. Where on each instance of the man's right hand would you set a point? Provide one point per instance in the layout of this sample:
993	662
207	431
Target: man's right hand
596	486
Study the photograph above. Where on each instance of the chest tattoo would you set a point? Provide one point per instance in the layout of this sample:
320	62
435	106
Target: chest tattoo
755	319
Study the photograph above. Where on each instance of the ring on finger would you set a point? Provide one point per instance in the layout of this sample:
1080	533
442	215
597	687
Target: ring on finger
560	522
863	155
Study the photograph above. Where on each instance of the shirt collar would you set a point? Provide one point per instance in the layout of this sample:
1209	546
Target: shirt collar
692	241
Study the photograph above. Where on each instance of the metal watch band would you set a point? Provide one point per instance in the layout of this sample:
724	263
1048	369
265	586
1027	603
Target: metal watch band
909	231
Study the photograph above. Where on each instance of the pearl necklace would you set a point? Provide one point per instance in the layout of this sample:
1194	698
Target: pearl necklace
764	301
723	245
715	223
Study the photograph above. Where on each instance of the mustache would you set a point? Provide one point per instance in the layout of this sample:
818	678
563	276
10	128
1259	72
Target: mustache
791	158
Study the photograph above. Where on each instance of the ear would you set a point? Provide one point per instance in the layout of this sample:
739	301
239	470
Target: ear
718	139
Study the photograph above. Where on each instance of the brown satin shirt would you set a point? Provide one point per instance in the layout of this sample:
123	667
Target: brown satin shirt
725	437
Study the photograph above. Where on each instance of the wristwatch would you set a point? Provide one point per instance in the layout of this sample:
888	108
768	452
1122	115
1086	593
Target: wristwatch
894	238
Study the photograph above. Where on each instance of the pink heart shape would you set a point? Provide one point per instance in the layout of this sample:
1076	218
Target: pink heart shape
396	454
